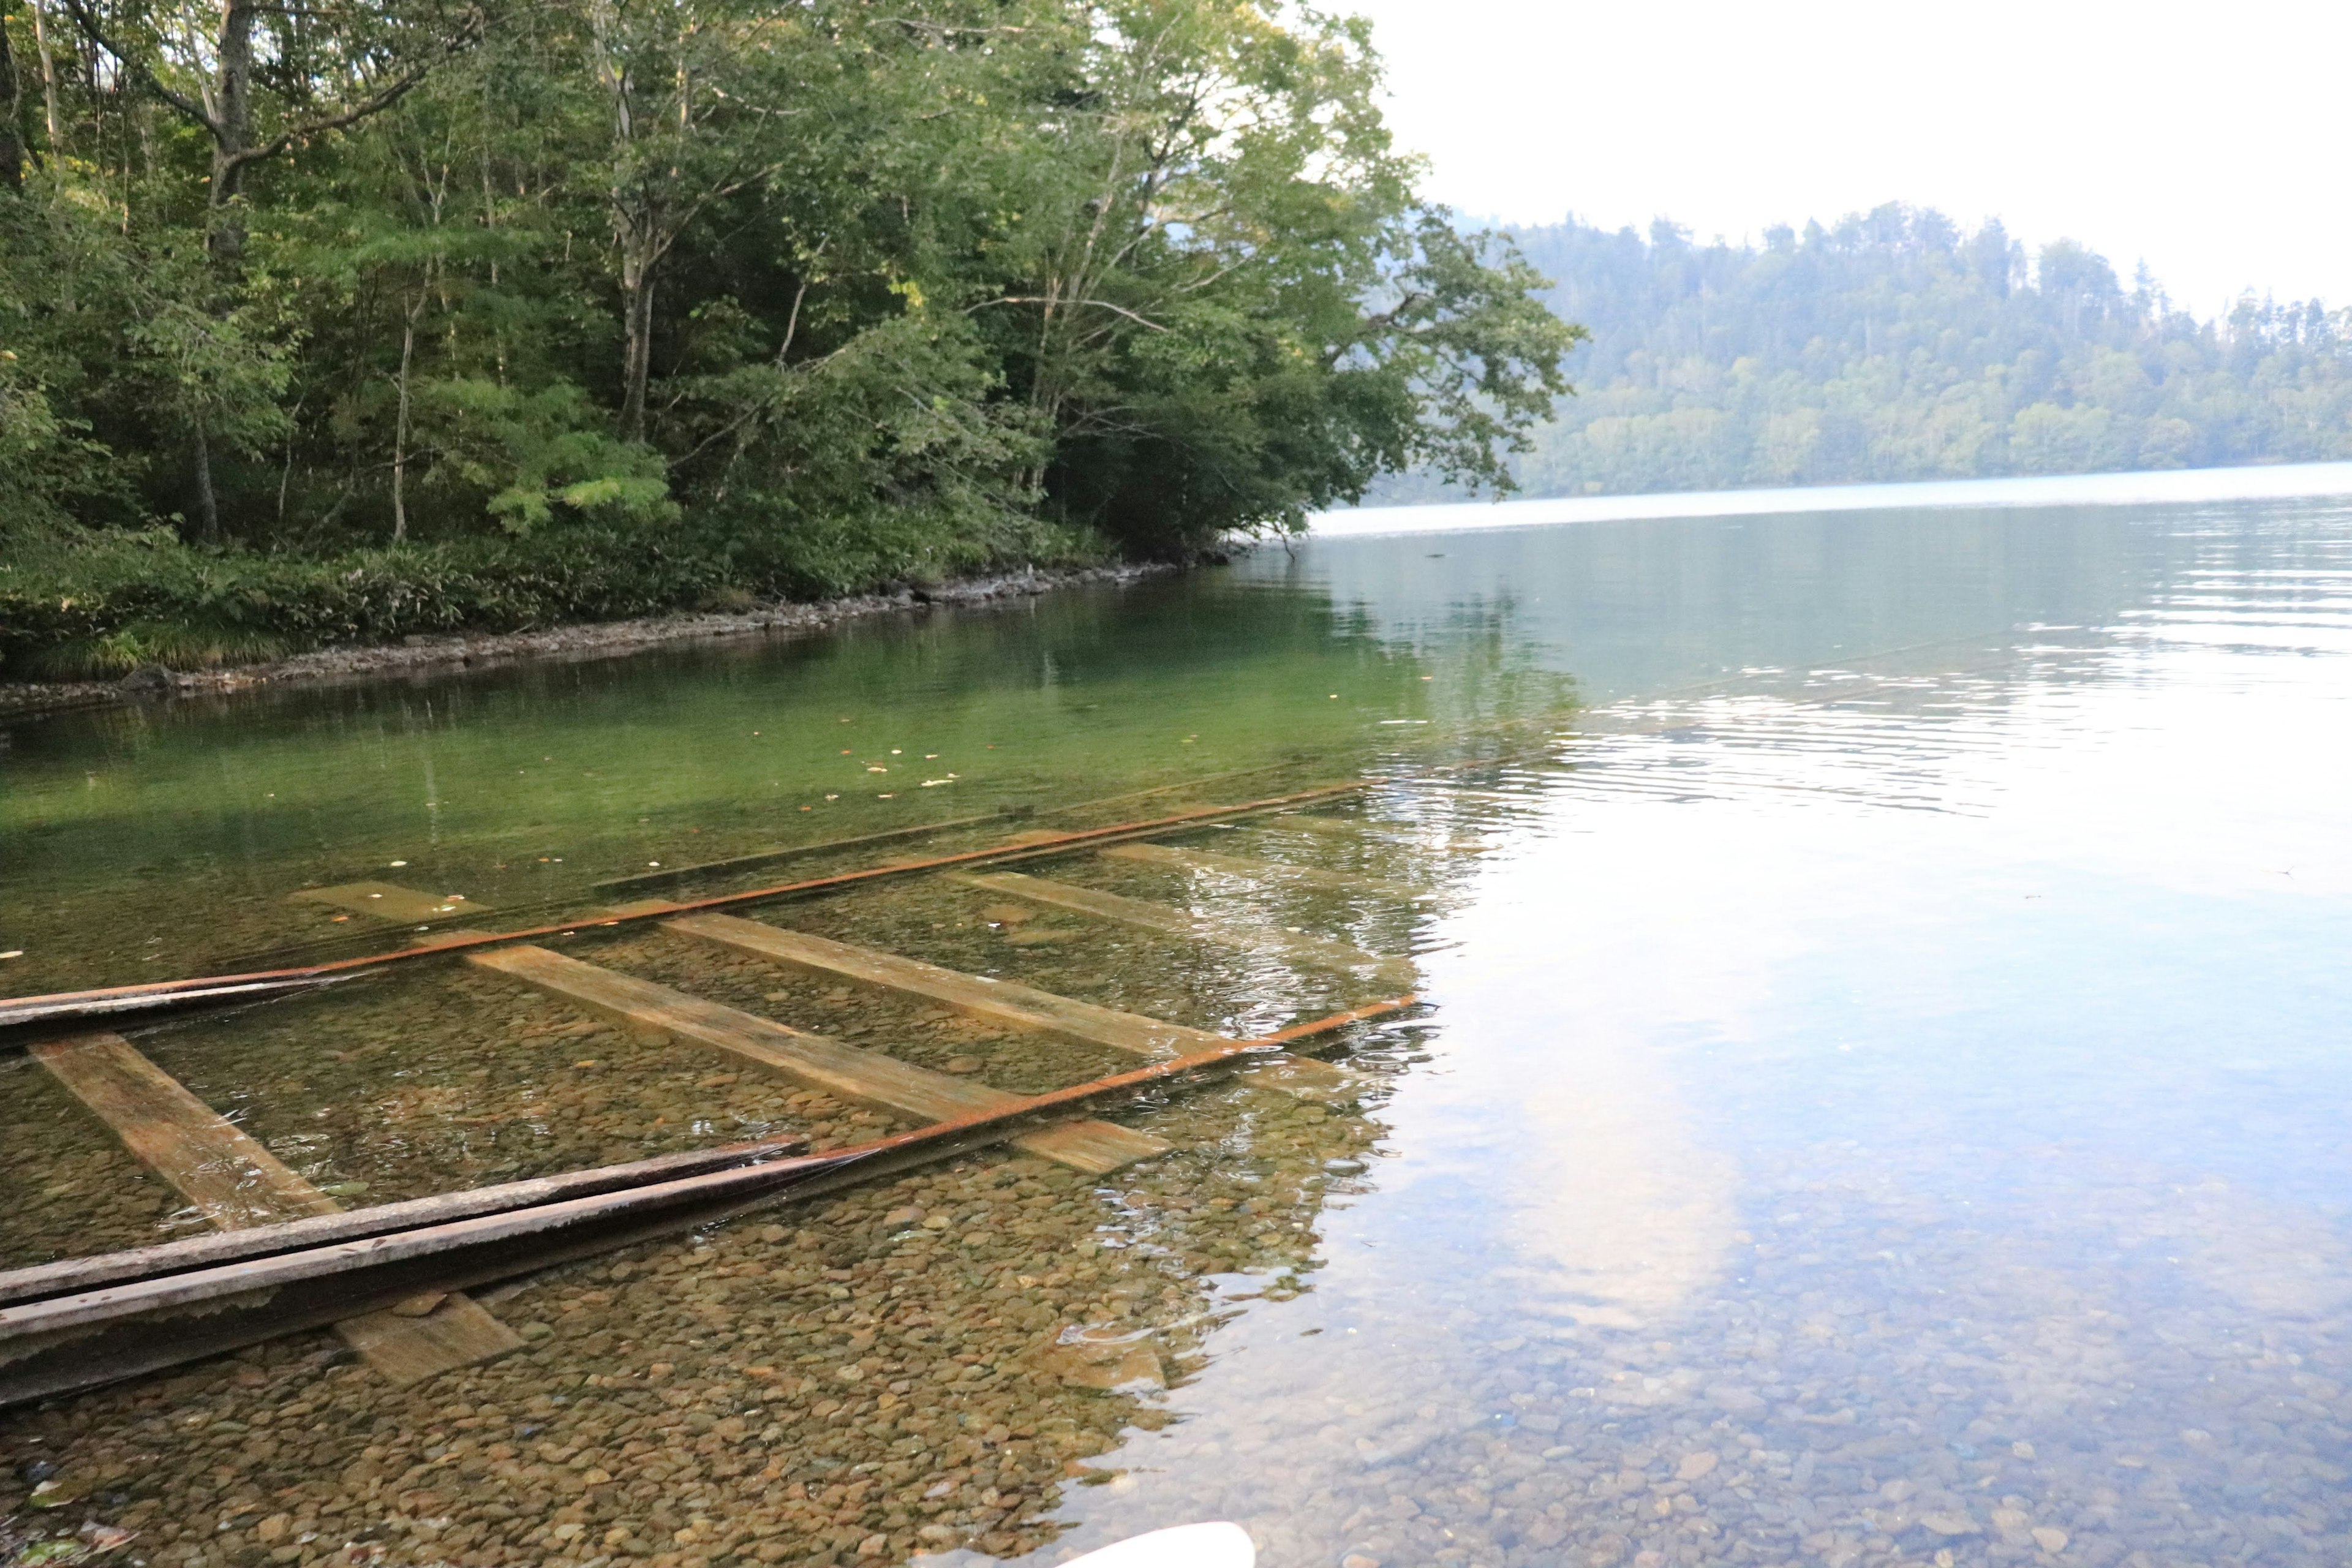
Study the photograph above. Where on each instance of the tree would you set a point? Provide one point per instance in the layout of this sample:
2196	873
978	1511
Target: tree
11	112
331	69
1221	294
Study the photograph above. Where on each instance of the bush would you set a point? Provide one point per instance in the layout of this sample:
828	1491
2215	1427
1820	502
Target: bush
100	604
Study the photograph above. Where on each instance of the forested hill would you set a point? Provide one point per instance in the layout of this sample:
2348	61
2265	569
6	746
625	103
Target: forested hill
1896	346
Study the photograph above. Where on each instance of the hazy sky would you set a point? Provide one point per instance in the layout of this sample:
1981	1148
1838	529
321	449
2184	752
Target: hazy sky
2207	139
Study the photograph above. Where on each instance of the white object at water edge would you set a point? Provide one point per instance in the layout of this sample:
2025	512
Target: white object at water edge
1218	1545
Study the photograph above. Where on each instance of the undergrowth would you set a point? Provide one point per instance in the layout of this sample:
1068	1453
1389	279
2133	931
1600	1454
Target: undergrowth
81	604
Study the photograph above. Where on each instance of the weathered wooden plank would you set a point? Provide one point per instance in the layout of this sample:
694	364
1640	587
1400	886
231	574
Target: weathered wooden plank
757	858
387	901
235	1182
1357	827
1330	827
1311	951
230	1178
998	1001
813	1061
1265	871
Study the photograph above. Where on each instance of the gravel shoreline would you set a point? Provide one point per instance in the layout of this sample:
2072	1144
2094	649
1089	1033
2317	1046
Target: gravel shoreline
433	654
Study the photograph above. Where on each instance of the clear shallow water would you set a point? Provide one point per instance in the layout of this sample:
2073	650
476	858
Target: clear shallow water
1883	1090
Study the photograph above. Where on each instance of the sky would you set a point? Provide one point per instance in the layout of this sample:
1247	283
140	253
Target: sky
2199	138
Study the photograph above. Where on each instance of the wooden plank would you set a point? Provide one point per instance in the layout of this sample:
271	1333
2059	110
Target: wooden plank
1357	827
734	863
1264	870
845	1072
235	1182
668	875
998	1001
229	1177
1330	827
1310	951
388	902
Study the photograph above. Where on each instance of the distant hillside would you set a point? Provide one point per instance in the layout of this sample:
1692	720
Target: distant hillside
1895	347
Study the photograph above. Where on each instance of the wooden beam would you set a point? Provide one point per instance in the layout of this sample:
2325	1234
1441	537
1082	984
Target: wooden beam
733	863
860	1077
1330	827
1310	951
759	858
997	1001
1356	827
235	1182
387	901
1264	870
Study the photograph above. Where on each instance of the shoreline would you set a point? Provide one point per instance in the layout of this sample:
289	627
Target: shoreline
593	639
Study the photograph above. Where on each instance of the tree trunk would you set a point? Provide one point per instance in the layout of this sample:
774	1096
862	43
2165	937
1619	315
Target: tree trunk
400	424
232	116
207	508
636	363
48	82
12	135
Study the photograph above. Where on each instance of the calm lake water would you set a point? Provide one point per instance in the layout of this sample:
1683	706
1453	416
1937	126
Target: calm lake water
1884	1086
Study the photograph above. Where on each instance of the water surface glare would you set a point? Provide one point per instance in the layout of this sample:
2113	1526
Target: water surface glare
1889	1074
1882	1094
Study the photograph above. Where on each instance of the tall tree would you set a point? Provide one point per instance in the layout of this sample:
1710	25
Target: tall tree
12	112
331	69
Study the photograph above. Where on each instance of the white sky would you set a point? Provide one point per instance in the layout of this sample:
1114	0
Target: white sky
2208	139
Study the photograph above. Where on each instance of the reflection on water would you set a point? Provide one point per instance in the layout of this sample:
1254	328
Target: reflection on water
1888	1080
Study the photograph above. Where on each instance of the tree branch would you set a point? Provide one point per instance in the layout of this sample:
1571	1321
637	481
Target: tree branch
144	79
374	103
1099	304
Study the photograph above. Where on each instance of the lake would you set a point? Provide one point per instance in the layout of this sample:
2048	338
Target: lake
1879	1092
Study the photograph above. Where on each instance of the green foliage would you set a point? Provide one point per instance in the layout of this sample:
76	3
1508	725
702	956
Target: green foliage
739	295
1894	347
100	604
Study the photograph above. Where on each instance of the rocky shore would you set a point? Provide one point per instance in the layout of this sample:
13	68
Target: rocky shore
433	654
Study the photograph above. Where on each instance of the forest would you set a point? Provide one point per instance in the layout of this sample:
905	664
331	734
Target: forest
335	321
1896	346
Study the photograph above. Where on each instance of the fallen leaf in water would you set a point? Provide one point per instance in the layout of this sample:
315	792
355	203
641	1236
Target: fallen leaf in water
19	952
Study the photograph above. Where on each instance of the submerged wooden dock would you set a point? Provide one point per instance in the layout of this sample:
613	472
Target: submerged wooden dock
84	1322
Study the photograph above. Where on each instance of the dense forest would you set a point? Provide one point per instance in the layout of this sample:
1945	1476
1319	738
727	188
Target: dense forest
1895	346
336	320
